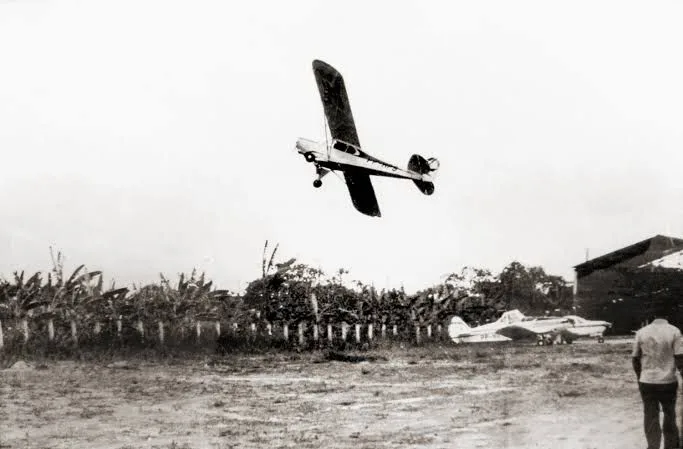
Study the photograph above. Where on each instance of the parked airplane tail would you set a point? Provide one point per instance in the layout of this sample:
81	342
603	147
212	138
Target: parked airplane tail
423	166
457	326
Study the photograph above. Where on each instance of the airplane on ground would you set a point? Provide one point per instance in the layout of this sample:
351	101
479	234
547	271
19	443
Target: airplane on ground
514	325
582	327
345	154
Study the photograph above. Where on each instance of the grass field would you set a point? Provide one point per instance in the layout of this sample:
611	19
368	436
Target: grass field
436	396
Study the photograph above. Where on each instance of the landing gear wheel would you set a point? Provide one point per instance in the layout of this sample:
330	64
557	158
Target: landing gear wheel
601	340
309	157
540	343
317	183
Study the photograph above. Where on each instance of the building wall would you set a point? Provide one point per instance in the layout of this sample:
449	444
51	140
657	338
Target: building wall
600	298
601	294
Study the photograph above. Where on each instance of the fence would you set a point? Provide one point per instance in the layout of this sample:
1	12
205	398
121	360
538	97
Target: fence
73	333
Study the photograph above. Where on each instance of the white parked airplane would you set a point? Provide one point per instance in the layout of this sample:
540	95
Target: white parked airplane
461	332
344	152
581	327
514	325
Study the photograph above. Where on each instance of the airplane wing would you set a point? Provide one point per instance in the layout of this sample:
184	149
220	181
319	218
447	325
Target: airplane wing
515	332
573	334
335	102
362	193
519	332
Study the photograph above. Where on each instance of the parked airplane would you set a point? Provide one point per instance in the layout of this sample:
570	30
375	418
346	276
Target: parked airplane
581	327
514	325
344	152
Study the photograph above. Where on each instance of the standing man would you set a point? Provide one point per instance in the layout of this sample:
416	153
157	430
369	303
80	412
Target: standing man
657	353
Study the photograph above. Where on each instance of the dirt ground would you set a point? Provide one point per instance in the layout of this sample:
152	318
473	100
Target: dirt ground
468	396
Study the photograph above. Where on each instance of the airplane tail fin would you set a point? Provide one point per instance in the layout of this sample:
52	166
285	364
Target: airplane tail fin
457	326
423	166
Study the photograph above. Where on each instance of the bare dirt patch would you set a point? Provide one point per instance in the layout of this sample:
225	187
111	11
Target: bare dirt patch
470	396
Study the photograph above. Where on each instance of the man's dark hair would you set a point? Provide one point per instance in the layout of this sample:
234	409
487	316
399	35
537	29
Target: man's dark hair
659	309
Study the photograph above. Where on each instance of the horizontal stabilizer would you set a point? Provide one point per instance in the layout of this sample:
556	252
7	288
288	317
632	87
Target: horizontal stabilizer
419	164
425	187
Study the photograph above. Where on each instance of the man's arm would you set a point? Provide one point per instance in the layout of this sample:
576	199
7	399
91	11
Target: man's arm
679	363
635	356
637	367
678	351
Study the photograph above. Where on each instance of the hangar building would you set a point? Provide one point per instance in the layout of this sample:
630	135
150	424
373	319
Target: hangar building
621	286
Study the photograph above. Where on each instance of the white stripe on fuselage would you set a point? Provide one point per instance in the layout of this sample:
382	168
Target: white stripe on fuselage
338	160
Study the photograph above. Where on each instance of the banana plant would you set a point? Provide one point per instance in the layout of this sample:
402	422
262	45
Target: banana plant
21	300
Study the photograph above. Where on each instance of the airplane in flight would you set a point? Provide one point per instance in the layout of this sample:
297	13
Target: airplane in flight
344	152
514	325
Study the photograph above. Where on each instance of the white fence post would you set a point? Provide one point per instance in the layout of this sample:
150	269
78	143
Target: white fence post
345	330
301	333
119	326
395	330
285	331
2	337
141	329
24	326
330	335
417	333
269	327
218	328
51	329
384	330
370	331
74	332
429	331
161	331
198	327
315	332
357	333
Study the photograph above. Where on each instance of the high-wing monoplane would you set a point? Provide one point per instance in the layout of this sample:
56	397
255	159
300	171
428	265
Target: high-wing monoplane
343	153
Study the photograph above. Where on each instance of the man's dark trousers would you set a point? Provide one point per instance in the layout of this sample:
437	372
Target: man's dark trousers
653	395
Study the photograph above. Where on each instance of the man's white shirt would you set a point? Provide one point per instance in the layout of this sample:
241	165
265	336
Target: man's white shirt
656	344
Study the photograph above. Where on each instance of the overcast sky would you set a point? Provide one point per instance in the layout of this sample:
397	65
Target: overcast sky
145	136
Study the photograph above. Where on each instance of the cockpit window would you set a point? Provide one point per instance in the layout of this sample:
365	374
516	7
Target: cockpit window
341	146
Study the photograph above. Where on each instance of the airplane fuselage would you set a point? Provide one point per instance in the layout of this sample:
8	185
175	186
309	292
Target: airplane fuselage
341	156
582	327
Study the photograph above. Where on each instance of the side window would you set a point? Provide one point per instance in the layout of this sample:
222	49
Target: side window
339	146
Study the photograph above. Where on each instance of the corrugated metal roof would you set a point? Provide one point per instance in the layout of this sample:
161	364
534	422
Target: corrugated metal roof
624	254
